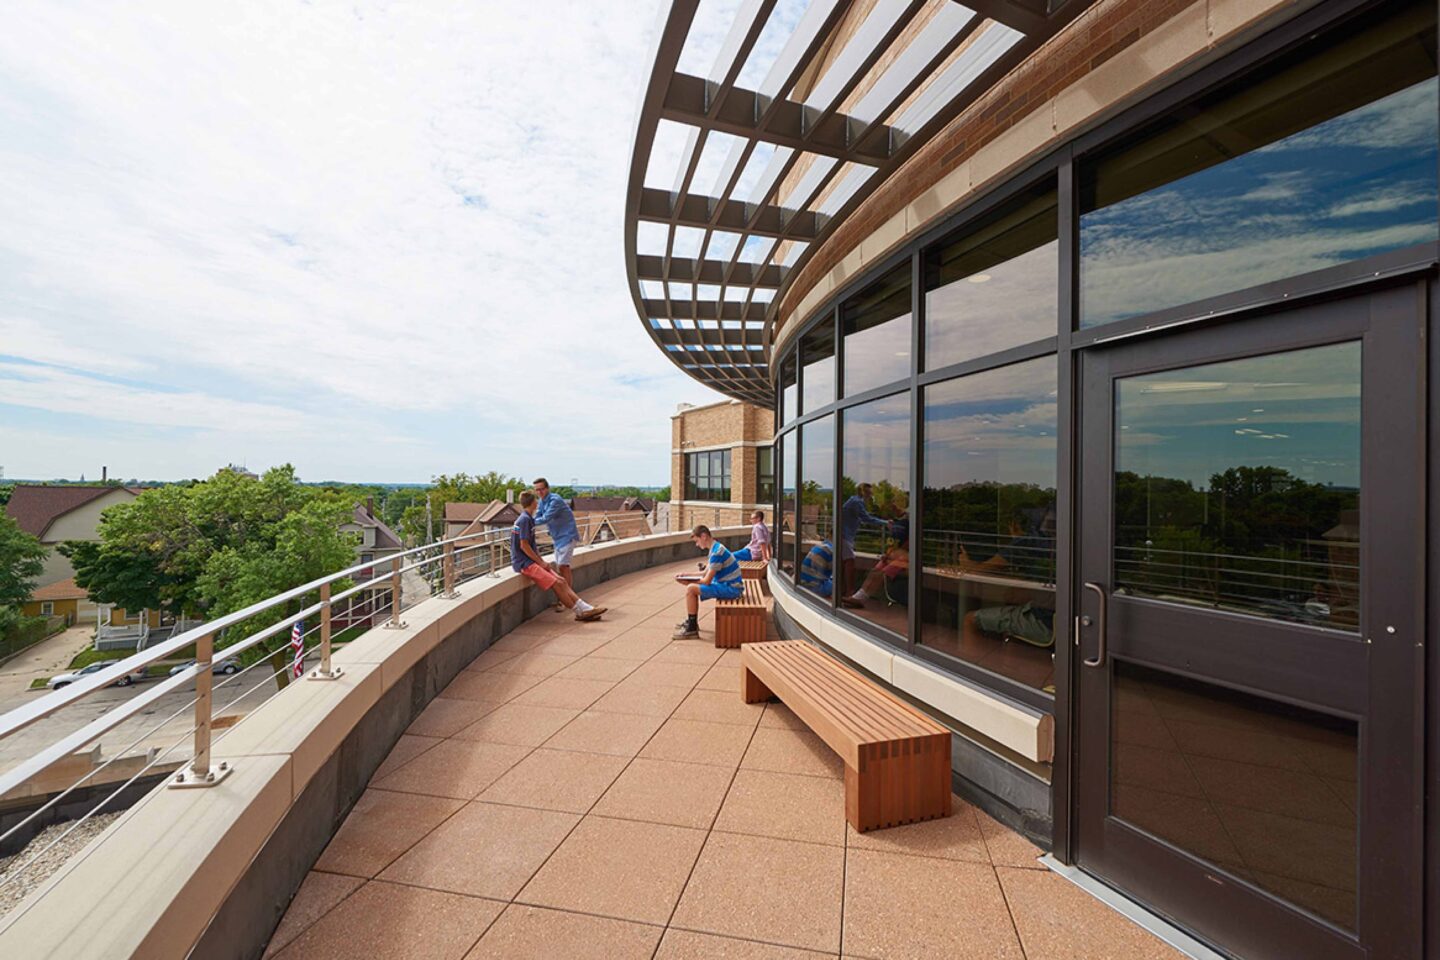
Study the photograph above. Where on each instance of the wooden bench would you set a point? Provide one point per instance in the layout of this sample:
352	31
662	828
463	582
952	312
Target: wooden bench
741	620
753	569
897	760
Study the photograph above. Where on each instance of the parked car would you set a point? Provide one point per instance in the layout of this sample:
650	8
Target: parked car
64	679
228	665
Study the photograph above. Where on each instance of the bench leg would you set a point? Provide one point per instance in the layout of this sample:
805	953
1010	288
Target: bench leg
751	689
899	783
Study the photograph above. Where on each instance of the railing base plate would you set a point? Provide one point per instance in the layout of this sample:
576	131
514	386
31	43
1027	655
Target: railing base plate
187	779
317	674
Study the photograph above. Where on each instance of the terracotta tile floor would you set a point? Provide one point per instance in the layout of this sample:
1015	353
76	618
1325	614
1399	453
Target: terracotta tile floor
595	790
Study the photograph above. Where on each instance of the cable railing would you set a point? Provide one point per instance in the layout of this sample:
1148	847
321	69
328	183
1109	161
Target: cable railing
372	593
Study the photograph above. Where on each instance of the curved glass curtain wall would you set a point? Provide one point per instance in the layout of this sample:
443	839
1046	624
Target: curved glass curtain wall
1325	156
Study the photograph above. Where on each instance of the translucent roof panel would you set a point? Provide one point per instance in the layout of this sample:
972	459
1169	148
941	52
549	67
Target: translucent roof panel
665	154
778	29
988	47
816	172
928	44
860	45
846	186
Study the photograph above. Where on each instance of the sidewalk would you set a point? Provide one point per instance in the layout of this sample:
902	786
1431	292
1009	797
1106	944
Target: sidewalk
45	659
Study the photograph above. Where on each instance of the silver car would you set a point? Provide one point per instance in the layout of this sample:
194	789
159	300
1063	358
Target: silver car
65	679
228	665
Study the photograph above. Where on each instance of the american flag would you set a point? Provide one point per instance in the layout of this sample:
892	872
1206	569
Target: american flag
297	644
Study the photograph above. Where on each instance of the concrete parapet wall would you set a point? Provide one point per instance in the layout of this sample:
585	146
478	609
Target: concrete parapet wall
208	873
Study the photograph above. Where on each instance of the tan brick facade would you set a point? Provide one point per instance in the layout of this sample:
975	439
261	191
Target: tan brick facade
742	429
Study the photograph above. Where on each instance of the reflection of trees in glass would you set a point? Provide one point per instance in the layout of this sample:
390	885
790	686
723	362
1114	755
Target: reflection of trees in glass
816	509
980	518
1257	538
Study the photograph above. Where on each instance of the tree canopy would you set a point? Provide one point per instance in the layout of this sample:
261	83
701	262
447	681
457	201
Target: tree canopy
22	558
454	488
215	547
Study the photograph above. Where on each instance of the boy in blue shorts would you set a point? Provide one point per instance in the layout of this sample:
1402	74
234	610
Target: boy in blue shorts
720	582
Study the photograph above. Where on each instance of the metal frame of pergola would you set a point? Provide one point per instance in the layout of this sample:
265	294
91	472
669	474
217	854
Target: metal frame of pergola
885	93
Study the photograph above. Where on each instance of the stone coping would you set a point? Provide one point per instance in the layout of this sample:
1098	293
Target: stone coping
151	884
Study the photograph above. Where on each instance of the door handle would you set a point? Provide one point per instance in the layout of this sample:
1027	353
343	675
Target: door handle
1099	659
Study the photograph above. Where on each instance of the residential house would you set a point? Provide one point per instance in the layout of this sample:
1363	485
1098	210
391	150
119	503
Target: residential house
59	513
60	599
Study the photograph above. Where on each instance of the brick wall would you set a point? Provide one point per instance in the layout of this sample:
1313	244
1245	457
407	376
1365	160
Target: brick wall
731	424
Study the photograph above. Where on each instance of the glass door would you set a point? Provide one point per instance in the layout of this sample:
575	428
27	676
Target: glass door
1250	600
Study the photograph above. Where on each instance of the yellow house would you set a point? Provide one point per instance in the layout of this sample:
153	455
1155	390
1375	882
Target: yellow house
60	599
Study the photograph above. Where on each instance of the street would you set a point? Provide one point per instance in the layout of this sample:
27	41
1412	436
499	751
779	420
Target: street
122	740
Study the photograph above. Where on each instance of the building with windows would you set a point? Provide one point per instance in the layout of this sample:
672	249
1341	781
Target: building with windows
722	465
1096	336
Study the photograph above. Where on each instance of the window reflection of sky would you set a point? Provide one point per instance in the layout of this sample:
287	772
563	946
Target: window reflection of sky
993	427
1299	411
1014	303
1353	186
877	441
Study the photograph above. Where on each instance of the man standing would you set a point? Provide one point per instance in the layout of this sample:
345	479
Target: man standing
721	581
853	512
525	559
555	514
759	548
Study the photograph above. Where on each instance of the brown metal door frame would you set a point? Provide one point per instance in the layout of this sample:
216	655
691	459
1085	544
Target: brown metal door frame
1377	677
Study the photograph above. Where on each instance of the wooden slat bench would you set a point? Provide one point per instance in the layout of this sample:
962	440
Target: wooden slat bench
897	760
753	569
741	620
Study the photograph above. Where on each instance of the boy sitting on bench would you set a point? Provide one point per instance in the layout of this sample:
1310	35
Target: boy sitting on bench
525	559
721	581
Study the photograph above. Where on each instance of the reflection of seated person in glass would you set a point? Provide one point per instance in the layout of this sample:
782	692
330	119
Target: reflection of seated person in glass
854	512
880	582
817	569
1029	555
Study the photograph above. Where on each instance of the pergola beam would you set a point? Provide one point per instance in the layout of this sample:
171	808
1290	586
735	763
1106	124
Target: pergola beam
652	267
1012	13
766	220
745	113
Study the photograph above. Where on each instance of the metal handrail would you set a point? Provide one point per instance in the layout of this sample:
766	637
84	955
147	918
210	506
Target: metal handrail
447	554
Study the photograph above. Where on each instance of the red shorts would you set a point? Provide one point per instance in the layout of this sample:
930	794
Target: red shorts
543	578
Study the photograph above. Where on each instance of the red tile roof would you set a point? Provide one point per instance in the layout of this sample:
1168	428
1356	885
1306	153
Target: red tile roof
35	507
60	590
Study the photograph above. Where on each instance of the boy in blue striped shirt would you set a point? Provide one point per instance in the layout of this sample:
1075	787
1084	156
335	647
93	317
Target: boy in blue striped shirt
721	581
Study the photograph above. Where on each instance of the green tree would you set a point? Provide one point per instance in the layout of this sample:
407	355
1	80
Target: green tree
454	488
22	559
218	546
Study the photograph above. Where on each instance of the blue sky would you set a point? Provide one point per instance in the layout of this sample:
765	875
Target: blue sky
380	241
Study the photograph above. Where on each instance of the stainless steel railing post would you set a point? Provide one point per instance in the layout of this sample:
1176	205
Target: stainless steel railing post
325	671
448	568
395	596
199	773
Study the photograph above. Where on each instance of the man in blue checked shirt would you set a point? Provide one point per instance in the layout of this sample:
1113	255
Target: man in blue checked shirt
721	582
556	515
853	513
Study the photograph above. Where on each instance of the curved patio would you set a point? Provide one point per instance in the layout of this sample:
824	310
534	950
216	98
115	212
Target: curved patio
597	790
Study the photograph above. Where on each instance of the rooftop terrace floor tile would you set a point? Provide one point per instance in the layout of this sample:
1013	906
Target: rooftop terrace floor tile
635	806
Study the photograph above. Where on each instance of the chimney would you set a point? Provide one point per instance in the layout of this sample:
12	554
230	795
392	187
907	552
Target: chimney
509	495
104	474
370	506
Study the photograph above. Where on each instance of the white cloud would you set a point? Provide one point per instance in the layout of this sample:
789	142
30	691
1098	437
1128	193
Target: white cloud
407	216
